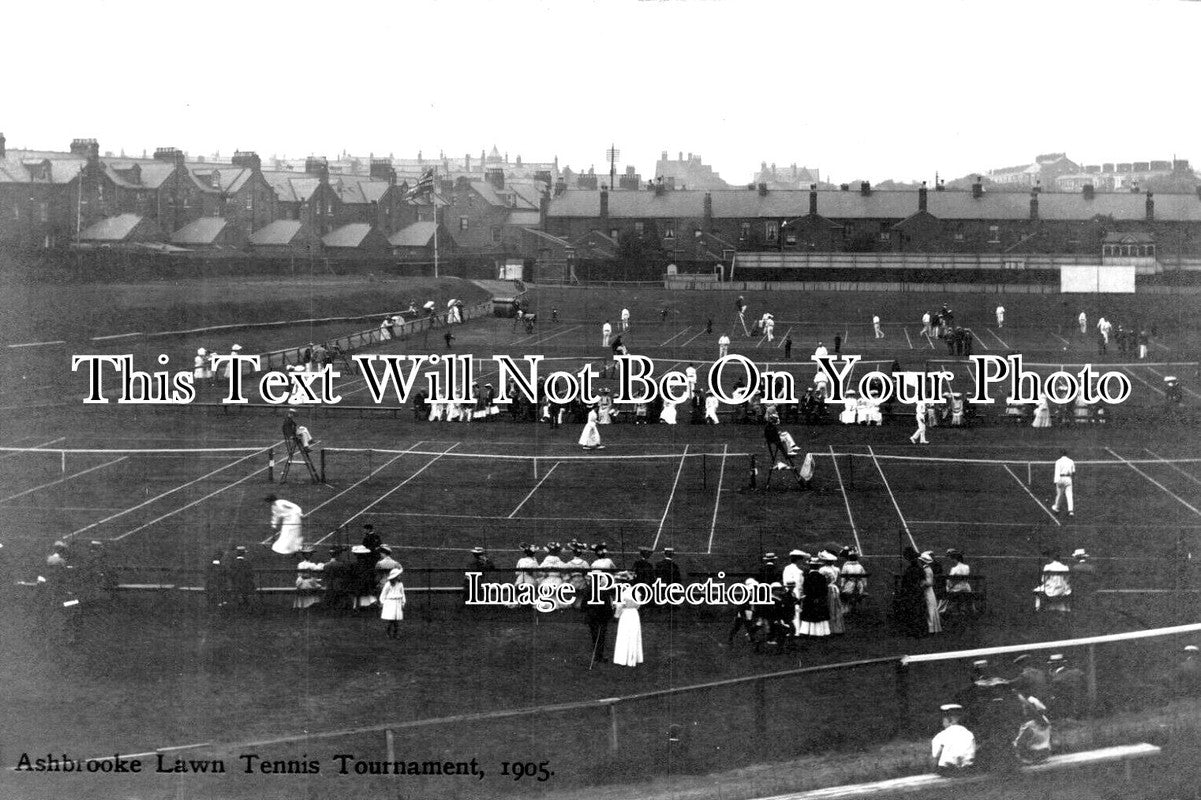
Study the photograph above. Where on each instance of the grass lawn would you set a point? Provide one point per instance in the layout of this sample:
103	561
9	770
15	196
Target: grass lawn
159	670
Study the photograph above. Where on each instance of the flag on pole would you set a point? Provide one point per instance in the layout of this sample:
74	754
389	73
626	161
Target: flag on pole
423	186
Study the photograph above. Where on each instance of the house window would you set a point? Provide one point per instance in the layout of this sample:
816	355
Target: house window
994	234
463	223
669	230
885	236
959	234
615	234
744	231
790	239
639	228
44	211
771	231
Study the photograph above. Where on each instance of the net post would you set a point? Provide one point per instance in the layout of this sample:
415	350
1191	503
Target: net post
323	465
535	467
63	453
613	740
270	465
1029	474
1091	680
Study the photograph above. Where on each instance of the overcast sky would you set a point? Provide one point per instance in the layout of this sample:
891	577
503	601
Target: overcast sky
857	88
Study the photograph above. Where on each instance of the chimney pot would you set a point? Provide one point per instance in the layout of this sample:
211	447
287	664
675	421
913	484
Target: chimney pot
865	188
813	199
921	197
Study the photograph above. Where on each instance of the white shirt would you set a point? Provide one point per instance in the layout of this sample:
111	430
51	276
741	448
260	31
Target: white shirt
875	320
954	746
606	328
1000	311
793	575
625	313
919	411
286	512
926	318
821	351
690	374
1065	468
1082	317
723	340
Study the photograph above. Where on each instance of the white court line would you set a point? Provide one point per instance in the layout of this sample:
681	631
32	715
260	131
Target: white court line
976	524
980	341
725	448
18	440
846	501
685	344
670	497
169	492
907	338
64	480
998	338
930	341
386	494
1160	374
1026	489
1144	381
1161	346
1174	496
170	514
35	344
43	444
678	335
531	494
1167	463
539	339
785	336
515	519
892	496
1060	338
359	482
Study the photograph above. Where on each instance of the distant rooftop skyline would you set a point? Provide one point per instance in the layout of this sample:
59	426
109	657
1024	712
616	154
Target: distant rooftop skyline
861	89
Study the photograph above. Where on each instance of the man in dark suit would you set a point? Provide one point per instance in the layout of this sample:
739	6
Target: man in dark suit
597	615
667	570
643	569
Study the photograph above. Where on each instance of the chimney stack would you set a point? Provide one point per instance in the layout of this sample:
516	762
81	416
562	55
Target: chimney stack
247	159
1034	204
85	148
708	212
1089	191
977	188
1150	208
763	190
813	199
317	165
604	205
381	170
865	188
495	176
543	209
560	186
921	197
172	154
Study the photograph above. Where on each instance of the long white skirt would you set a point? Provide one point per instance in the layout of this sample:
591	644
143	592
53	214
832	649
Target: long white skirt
289	540
627	649
668	415
591	435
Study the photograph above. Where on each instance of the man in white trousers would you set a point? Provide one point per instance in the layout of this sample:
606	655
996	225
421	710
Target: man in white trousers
606	332
723	346
919	413
625	319
1000	317
1065	468
1083	320
876	325
285	518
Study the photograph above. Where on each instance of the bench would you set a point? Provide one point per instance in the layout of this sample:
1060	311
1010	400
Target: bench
1124	754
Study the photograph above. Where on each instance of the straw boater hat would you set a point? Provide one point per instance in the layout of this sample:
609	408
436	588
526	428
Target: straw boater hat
394	574
201	351
624	576
826	555
236	347
1080	553
359	550
477	551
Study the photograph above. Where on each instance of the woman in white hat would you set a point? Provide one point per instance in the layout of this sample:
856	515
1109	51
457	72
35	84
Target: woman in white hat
392	603
590	437
829	569
227	370
933	621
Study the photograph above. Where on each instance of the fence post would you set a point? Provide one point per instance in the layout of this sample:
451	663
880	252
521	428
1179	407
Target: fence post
613	742
902	689
761	709
323	465
1091	680
270	465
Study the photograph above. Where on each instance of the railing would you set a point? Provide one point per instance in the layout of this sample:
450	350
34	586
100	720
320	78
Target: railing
373	336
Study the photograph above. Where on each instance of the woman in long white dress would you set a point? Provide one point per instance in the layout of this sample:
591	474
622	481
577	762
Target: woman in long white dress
604	408
627	648
392	603
829	570
590	438
668	415
933	621
1042	414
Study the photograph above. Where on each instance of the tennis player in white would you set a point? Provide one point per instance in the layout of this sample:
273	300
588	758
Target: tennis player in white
1065	468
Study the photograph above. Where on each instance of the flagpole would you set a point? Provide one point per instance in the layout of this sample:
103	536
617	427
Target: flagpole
434	203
